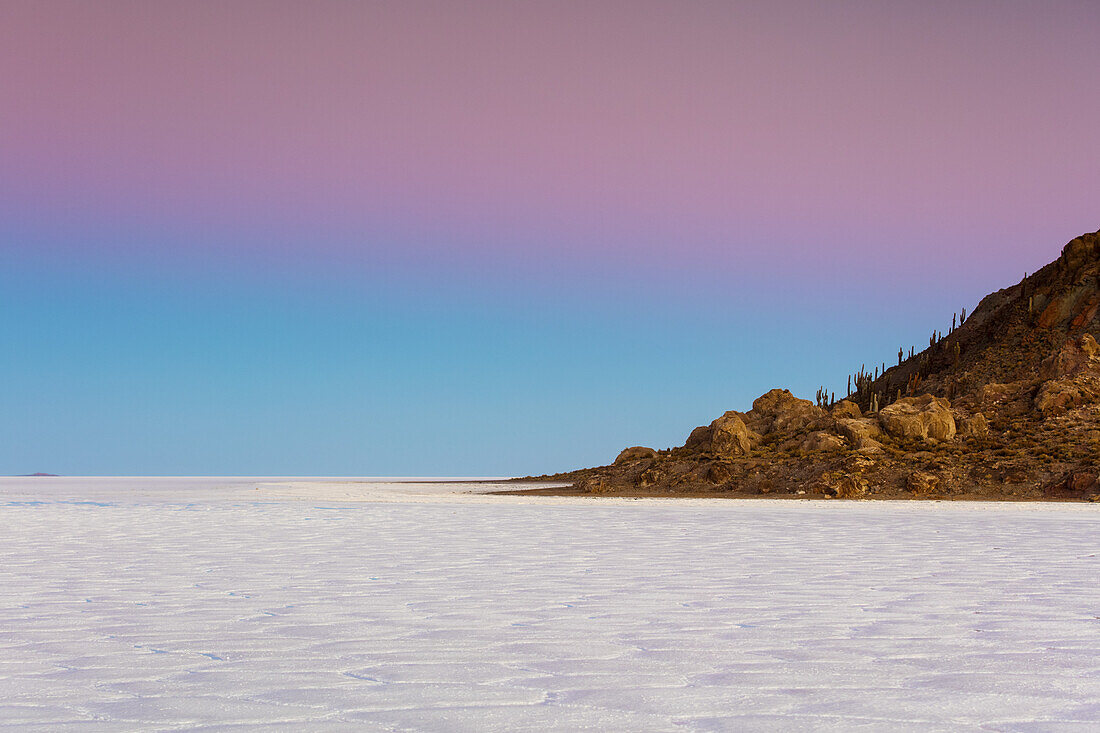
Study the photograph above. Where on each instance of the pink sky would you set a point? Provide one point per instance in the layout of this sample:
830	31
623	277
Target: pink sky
599	120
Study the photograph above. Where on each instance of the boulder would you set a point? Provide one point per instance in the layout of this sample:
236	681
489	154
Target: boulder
718	473
1080	251
858	429
922	483
846	409
649	477
637	453
1058	396
780	411
699	438
975	426
727	437
822	440
730	436
925	417
996	393
842	485
869	447
851	487
1079	484
1077	356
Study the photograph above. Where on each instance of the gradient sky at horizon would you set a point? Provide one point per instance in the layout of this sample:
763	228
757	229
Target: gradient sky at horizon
491	238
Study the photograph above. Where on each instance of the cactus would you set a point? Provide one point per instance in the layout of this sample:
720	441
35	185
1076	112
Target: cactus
953	317
958	352
962	317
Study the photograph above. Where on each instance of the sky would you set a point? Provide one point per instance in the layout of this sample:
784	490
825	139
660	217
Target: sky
502	238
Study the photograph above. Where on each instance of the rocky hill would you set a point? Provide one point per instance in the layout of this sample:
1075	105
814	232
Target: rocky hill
1006	405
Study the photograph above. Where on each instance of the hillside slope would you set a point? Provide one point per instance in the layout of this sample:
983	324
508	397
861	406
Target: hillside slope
1005	406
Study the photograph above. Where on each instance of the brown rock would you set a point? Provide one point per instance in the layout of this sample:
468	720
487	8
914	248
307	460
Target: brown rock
857	429
699	438
649	477
595	485
1054	313
1086	311
822	440
922	483
1080	251
996	393
851	487
919	417
1077	356
842	485
1059	396
731	437
728	437
779	410
975	426
1079	484
846	409
637	453
869	447
718	473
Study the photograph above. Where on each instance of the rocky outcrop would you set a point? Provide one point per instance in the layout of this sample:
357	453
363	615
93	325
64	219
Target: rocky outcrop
822	440
922	483
637	453
780	411
1075	485
975	426
856	430
728	436
1005	404
1059	396
846	409
1072	377
1077	356
924	417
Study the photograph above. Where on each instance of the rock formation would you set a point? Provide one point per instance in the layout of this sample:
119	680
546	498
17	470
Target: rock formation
1005	405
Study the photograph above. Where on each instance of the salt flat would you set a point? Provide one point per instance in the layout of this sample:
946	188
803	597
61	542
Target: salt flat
226	604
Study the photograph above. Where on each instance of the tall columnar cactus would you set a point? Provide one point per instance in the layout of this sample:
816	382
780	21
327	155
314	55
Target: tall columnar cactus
962	317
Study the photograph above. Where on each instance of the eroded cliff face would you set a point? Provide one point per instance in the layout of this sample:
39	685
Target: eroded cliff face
1006	405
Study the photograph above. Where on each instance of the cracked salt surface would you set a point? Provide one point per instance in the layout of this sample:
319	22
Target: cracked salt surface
227	604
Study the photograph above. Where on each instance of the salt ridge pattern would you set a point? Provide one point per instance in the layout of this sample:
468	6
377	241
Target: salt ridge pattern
245	607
